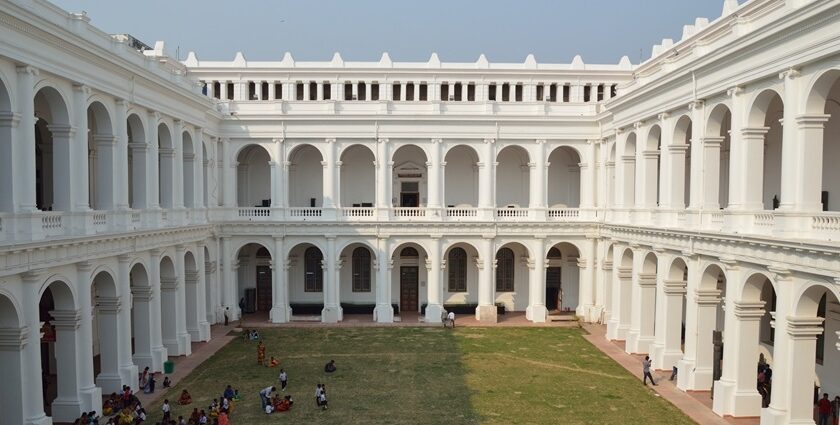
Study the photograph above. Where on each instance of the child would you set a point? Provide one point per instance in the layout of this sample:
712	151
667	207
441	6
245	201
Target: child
283	379
167	411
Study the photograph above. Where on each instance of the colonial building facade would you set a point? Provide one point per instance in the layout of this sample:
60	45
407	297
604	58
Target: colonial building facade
141	198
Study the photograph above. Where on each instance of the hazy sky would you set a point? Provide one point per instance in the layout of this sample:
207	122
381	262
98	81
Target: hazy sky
601	31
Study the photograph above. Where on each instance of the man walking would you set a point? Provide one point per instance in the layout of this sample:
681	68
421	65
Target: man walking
283	379
646	371
824	409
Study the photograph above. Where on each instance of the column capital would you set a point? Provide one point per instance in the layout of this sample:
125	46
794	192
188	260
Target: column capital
108	304
754	132
9	119
540	141
804	327
81	89
61	130
66	319
696	104
489	141
812	121
735	91
707	296
279	140
142	293
674	287
749	310
650	154
168	284
638	124
13	339
382	140
27	70
123	258
789	74
647	279
330	140
84	266
677	149
437	141
712	142
181	249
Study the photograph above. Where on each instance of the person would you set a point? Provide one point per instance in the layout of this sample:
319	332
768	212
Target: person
322	399
167	411
273	362
824	409
141	416
646	371
194	416
241	306
835	409
330	367
285	404
228	392
226	315
223	418
166	382
444	317
150	384
108	405
185	398
225	405
265	395
318	389
451	318
181	420
126	418
261	353
214	409
202	418
143	377
236	396
255	335
284	379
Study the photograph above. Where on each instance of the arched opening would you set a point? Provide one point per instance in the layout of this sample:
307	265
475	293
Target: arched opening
166	164
253	177
511	276
306	279
682	169
12	364
643	299
105	329
619	323
652	157
461	274
255	278
564	178
671	311
141	317
409	269
137	163
359	175
513	183
100	140
7	159
764	146
356	279
628	173
59	320
461	184
719	127
409	177
825	99
52	151
562	279
306	177
188	161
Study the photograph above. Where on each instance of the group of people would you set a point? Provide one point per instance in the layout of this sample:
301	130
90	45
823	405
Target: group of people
147	381
275	403
827	408
217	413
124	409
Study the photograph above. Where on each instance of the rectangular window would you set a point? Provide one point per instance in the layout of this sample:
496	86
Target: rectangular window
491	92
362	91
552	93
229	91
600	92
299	91
217	90
278	91
409	91
374	91
396	91
458	91
313	90
505	92
567	90
327	90
519	93
252	91
471	92
540	92
613	90
587	93
424	91
444	92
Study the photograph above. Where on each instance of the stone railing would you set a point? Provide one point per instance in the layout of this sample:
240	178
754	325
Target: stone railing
305	212
462	213
357	212
409	212
253	212
563	214
512	213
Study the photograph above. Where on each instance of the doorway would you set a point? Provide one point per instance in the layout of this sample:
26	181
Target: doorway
264	288
552	288
410	194
408	288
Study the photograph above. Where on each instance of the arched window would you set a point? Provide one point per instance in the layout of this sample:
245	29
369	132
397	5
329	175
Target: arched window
263	253
313	273
504	270
361	270
457	262
409	252
554	253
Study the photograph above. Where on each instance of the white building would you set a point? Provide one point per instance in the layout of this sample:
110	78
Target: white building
141	198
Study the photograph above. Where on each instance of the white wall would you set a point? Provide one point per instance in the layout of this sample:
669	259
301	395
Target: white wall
358	179
512	181
563	185
461	177
306	178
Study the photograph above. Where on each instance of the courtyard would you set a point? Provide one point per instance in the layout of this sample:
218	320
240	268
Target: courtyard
428	375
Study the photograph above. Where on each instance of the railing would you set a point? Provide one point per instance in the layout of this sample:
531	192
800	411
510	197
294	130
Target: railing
563	213
826	222
511	212
716	218
305	212
100	219
356	212
164	215
409	212
764	219
254	212
135	217
51	223
462	212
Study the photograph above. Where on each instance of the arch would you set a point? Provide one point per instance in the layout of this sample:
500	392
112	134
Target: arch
719	125
418	246
449	246
52	150
103	292
629	147
100	142
823	99
306	176
10	313
562	277
713	274
627	258
188	166
166	166
513	183
456	263
357	166
57	303
410	176
62	292
460	272
169	305
765	113
7	176
373	249
653	141
461	183
137	161
751	290
682	130
678	270
313	270
564	182
51	105
253	176
716	123
760	108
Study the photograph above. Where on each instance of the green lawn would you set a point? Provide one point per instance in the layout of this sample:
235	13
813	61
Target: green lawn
431	376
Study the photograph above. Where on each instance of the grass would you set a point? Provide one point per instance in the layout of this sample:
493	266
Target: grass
430	376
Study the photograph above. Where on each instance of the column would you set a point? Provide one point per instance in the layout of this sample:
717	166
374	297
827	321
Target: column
696	367
536	310
619	324
336	90
272	91
537	176
223	89
642	318
383	179
306	90
604	286
78	158
107	311
159	351
626	192
486	311
211	270
319	91
805	186
330	194
673	182
13	392
120	168
184	346
709	187
198	169
332	312
104	165
178	165
650	175
750	177
90	394
669	325
24	176
152	166
486	190
31	392
125	364
229	170
586	266
384	312
434	167
191	300
228	291
403	94
735	392
68	404
435	265
280	310
354	89
144	329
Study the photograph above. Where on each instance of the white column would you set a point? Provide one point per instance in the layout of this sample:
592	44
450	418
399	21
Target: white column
642	318
109	377
805	183
306	90
198	169
604	286
586	282
127	368
319	91
626	191
31	392
696	367
667	347
78	157
68	404
537	176
228	291
12	393
120	159
159	351
152	163
280	310
536	310
486	311
106	145
184	339
229	171
272	91
435	265
709	187
619	323
433	165
178	165
223	89
486	186
24	171
673	183
330	194
735	392
90	394
383	179
589	187
384	312
332	311
403	94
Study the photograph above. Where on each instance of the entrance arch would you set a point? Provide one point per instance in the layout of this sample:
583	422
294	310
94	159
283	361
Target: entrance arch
306	279
357	166
105	329
255	278
513	183
719	127
53	144
562	279
765	148
409	270
253	177
511	276
101	141
60	319
824	100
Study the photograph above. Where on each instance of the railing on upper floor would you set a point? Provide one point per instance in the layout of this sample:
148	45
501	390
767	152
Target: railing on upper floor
254	212
305	212
409	212
512	213
563	214
52	223
460	213
357	213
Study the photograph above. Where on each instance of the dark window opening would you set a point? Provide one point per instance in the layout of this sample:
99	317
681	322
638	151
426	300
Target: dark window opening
613	90
396	93
457	91
374	91
444	92
519	92
587	91
327	90
424	92
313	90
491	92
457	262
278	91
471	93
505	92
567	89
409	91
361	90
552	93
504	270
540	92
217	90
299	91
252	91
361	270
229	91
264	90
600	92
313	271
348	91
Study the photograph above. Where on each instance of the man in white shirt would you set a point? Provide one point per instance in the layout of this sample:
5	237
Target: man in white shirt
265	396
283	379
167	411
451	318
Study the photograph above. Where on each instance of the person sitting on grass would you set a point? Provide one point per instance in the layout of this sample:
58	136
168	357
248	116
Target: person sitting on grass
228	392
185	398
330	367
223	418
109	404
236	396
214	409
284	405
195	416
167	382
273	362
261	353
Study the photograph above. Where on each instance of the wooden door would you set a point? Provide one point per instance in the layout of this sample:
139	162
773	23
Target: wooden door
264	288
552	287
408	288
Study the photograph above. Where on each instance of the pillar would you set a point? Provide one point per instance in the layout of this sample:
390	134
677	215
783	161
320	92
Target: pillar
383	179
178	165
24	176
667	348
68	404
89	393
230	306
31	391
64	197
330	193
486	311
673	182
198	169
536	310
588	177
486	170
159	351
201	295
805	186
78	158
127	368
106	175
709	188
12	358
627	191
696	366
434	166
280	312
384	312
537	197
152	165
736	393
749	169
435	265
641	333
120	168
332	311
184	346
649	185
107	311
586	282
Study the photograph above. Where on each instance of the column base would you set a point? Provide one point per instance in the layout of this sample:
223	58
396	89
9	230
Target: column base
669	359
204	331
486	313
159	355
129	374
537	313
632	342
42	419
583	312
773	416
67	410
184	344
656	353
111	383
383	313
172	347
91	399
332	314
194	337
686	375
279	314
612	330
730	401
143	361
433	313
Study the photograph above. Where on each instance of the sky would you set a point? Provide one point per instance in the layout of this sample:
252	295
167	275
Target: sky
601	31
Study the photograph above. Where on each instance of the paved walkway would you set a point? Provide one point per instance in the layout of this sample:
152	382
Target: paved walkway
514	319
696	404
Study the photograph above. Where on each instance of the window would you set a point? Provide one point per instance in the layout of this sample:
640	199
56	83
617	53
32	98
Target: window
263	253
252	91
471	92
409	91
457	262
613	90
505	92
600	92
313	273
552	93
374	91
313	90
299	91
348	91
264	90
567	90
587	93
504	270
491	92
278	91
457	91
409	252
396	91
518	92
361	270
327	90
540	92
444	92
424	92
821	337
229	91
361	89
217	90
